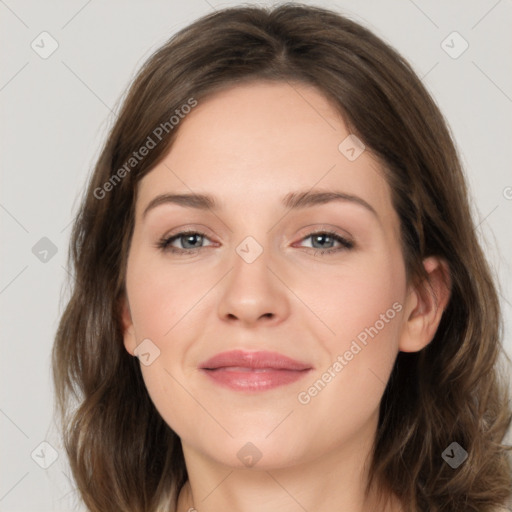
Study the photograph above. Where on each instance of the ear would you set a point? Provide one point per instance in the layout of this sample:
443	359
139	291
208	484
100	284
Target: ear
425	305
130	340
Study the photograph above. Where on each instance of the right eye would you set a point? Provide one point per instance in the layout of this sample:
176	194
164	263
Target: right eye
185	238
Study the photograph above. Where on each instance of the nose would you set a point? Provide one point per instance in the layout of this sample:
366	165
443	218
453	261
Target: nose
254	293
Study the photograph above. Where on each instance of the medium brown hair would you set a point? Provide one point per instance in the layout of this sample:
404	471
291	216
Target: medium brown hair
122	454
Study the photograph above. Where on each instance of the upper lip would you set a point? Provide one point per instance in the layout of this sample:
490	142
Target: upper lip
256	360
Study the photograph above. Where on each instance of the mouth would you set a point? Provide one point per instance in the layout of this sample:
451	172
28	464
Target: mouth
253	371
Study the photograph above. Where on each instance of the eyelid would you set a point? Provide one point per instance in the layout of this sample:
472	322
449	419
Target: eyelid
312	229
189	228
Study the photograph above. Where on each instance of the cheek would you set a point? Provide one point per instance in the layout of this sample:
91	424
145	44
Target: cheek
166	306
356	296
163	295
362	305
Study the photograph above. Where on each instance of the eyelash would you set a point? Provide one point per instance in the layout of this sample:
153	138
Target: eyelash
164	243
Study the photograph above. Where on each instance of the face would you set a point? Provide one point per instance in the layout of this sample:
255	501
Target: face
267	273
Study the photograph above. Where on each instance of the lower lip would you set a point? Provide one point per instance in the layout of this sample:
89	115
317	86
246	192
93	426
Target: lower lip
254	380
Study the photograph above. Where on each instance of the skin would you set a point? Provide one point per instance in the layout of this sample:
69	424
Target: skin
249	146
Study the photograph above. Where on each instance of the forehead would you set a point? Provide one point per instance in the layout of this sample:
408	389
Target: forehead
254	143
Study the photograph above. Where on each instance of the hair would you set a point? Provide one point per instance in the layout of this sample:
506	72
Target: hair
122	454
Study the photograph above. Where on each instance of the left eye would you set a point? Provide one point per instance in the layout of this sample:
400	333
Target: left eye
191	241
327	237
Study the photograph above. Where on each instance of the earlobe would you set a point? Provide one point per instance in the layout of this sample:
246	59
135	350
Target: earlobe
129	338
425	306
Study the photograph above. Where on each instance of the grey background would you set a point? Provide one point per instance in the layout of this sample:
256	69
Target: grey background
55	114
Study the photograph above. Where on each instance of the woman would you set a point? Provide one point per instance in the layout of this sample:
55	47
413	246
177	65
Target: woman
280	302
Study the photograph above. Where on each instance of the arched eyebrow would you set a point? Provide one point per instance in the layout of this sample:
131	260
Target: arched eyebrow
292	201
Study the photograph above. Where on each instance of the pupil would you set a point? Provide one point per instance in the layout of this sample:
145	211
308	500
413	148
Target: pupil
320	237
189	238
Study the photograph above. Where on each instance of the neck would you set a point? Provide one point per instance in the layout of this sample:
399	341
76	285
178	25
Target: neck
333	481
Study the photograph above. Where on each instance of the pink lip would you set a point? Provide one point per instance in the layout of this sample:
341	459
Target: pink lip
253	371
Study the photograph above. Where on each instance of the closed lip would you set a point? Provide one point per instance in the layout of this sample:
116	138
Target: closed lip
256	360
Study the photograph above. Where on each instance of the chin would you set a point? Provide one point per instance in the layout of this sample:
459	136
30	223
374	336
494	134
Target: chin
254	452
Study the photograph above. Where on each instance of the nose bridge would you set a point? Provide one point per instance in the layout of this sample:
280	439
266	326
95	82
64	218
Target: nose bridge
252	291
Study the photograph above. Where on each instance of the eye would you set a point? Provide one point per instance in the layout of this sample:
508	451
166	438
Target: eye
191	242
324	241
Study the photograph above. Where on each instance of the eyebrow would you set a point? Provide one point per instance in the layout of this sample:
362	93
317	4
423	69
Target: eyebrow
293	200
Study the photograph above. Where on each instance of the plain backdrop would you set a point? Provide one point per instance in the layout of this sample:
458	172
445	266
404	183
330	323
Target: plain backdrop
55	113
